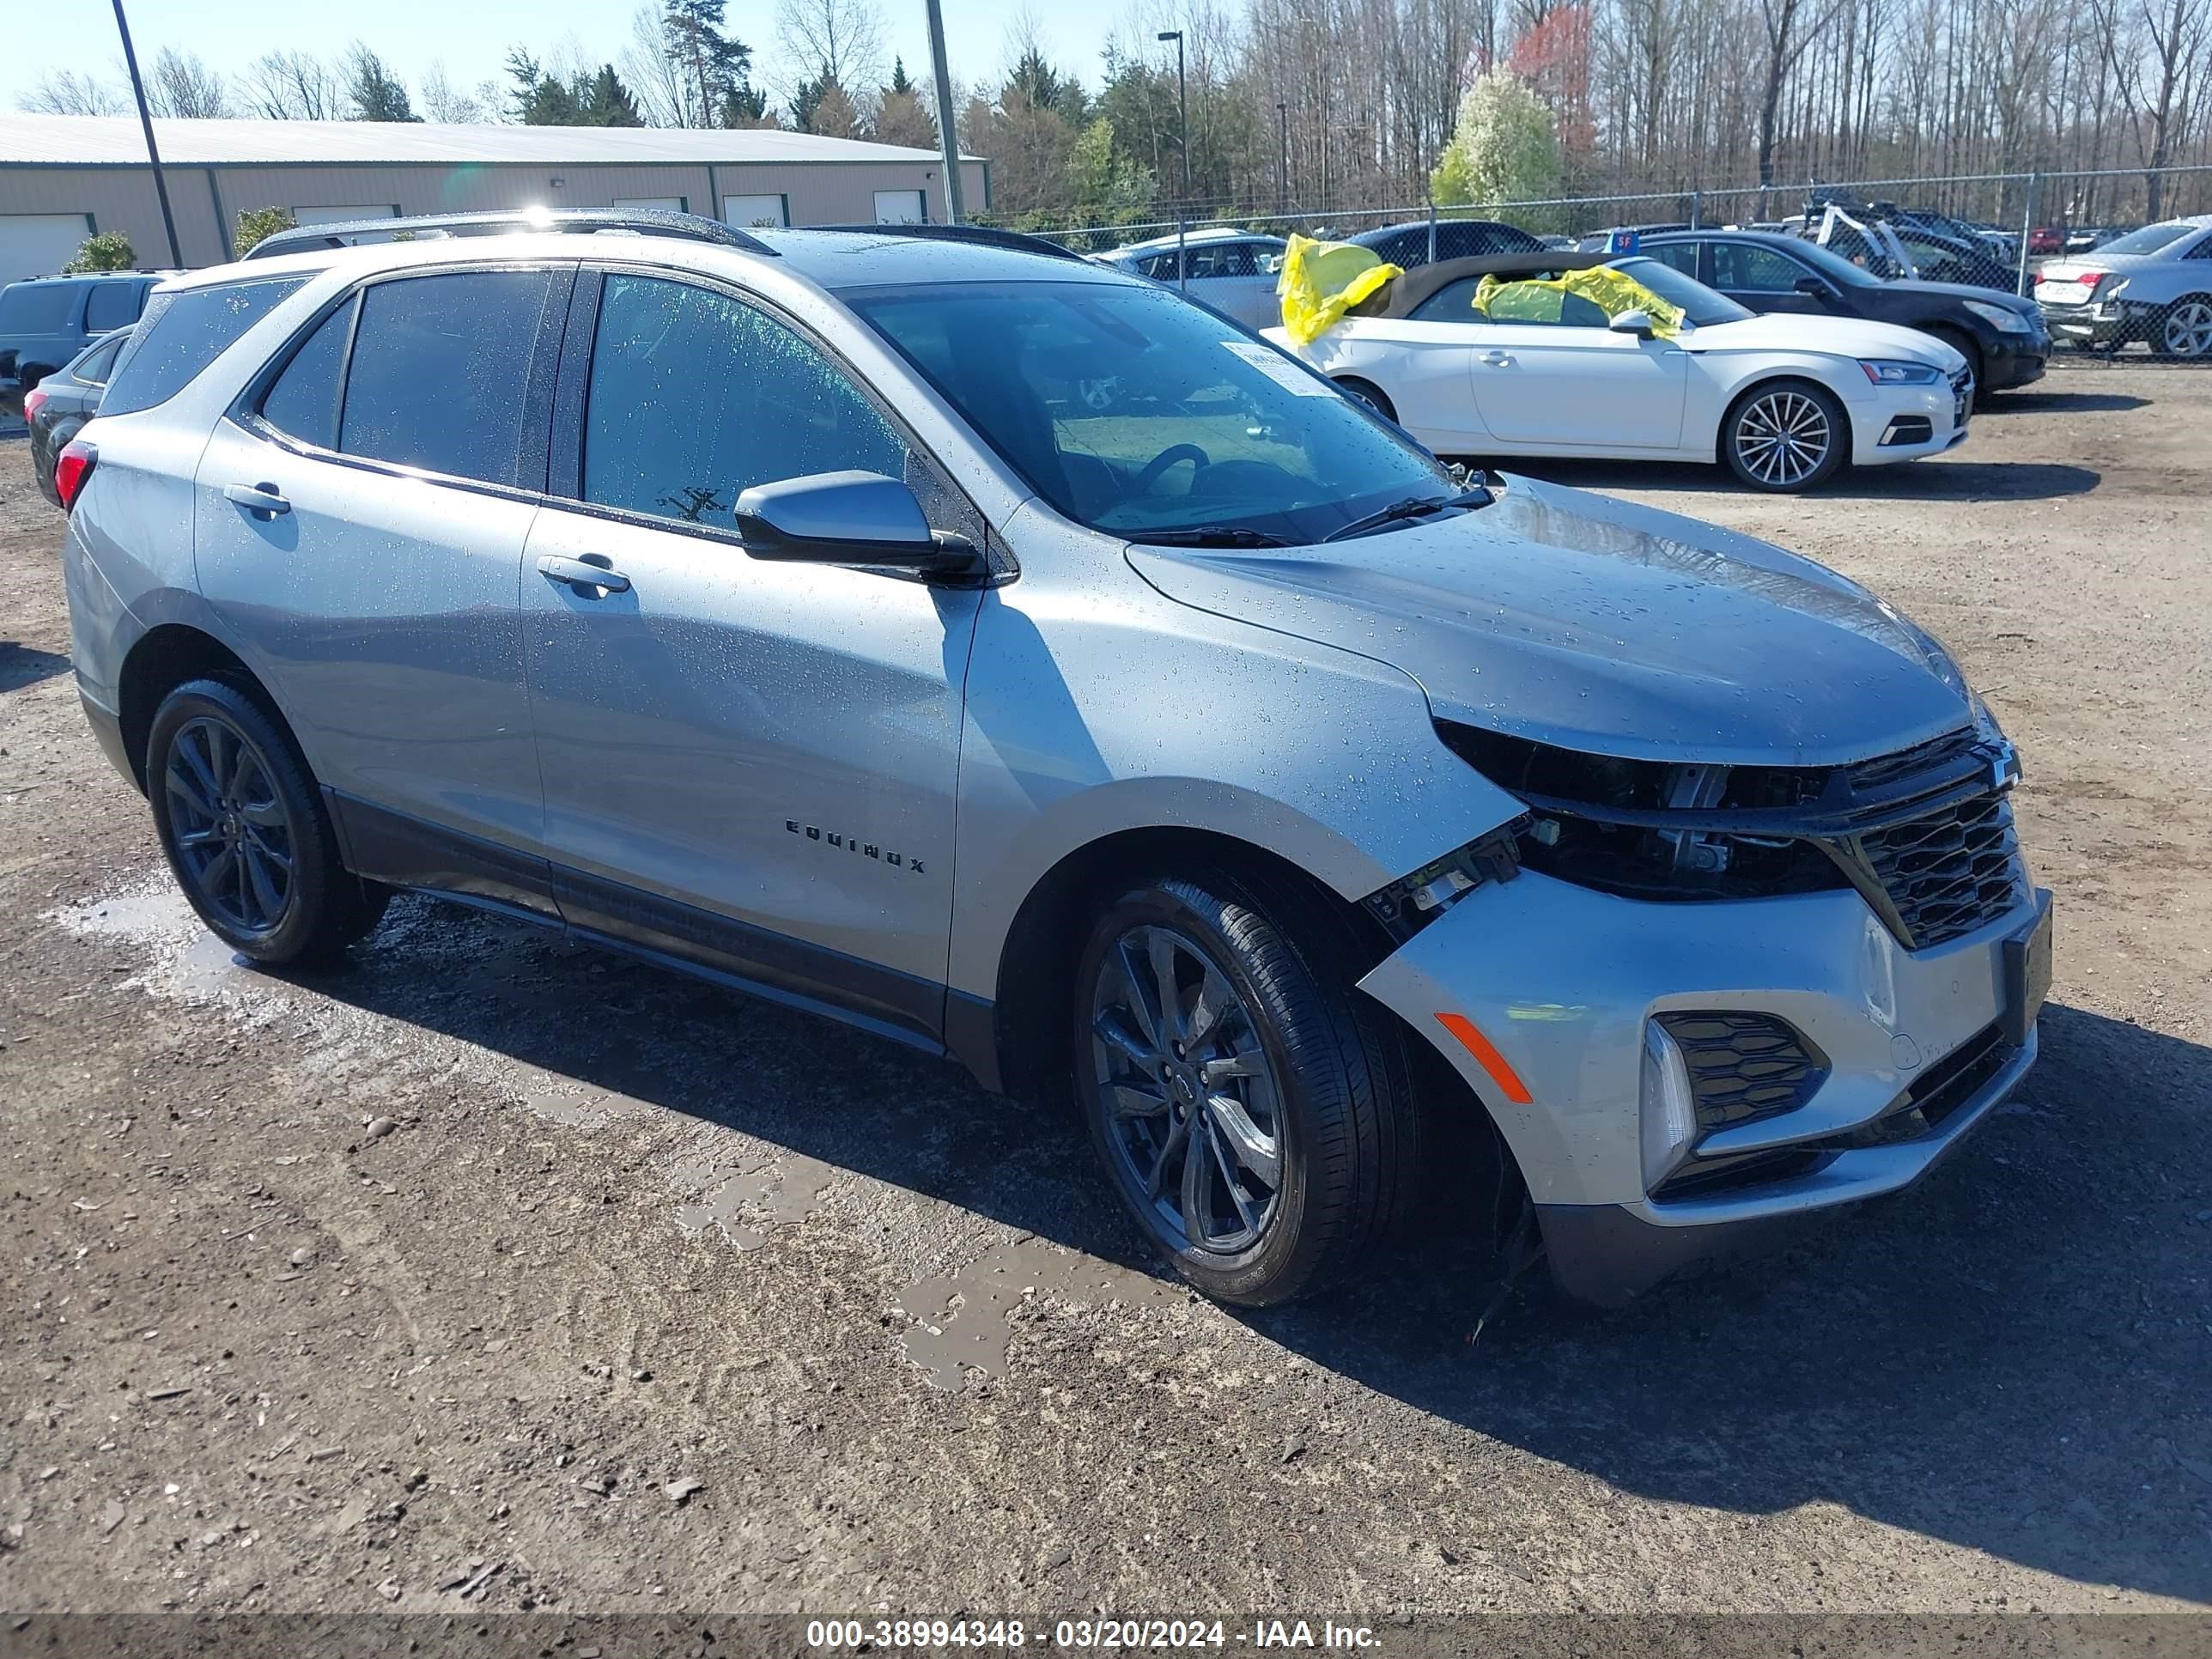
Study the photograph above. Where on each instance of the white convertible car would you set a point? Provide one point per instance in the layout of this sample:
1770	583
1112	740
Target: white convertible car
1785	402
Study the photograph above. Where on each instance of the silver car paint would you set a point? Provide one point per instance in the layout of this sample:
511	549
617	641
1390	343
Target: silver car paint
1597	624
1107	689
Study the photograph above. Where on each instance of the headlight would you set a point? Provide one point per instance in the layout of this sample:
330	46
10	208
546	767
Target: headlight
1884	373
2000	317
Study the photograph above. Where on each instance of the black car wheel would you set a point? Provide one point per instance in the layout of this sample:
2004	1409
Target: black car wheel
1965	347
1257	1121
246	832
1783	436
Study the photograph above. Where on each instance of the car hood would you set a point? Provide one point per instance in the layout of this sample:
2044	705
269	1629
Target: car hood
1595	624
1845	336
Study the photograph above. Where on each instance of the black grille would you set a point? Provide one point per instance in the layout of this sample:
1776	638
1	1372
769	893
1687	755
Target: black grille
1949	873
1938	1092
1744	1068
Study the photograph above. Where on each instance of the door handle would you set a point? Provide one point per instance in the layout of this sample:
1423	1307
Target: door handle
261	498
594	571
1495	358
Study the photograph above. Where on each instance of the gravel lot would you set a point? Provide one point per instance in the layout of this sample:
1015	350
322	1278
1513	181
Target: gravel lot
434	1279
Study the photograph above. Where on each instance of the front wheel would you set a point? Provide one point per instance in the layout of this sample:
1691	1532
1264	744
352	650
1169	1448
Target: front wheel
1786	436
1258	1123
245	831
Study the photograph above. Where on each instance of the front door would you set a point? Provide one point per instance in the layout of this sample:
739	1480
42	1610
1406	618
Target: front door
749	765
1555	388
375	590
1761	278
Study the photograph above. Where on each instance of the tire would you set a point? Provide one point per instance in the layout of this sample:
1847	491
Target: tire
1370	394
1769	415
2183	329
1318	1087
246	832
1965	347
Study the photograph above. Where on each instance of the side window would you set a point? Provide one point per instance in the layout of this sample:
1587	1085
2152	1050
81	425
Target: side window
438	365
1747	268
1681	255
111	304
693	397
183	333
97	364
1161	267
2201	251
303	403
1452	303
1235	259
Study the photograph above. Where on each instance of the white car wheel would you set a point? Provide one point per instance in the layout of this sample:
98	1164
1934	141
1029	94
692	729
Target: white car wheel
1785	436
2187	328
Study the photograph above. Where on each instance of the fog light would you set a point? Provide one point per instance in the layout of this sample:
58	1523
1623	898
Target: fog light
1670	1113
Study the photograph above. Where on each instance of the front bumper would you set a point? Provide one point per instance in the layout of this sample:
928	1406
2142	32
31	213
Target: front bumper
2014	359
1883	427
1562	979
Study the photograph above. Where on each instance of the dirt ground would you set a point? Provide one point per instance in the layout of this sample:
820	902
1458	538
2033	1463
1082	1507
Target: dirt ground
423	1286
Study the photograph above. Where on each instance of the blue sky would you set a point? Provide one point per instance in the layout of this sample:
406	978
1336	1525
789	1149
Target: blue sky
472	38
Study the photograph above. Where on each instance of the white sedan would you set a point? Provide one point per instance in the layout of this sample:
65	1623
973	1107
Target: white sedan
1785	402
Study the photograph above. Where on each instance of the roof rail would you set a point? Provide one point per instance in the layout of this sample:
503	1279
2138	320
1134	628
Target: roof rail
987	235
643	221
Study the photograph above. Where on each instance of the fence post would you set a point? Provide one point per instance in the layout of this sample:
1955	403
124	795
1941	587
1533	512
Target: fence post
2026	230
1183	258
1697	209
1433	230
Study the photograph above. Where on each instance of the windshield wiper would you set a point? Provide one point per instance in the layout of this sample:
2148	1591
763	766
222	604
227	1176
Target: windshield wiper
1210	535
1413	507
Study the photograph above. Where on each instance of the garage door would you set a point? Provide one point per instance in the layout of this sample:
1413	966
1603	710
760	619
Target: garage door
39	244
900	207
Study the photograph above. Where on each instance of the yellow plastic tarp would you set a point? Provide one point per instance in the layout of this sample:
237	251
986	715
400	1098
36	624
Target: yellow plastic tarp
1532	300
1322	281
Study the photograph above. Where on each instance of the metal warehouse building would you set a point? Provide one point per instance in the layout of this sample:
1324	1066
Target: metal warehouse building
64	178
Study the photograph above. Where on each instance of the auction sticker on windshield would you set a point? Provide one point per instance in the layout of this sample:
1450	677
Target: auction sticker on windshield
1280	369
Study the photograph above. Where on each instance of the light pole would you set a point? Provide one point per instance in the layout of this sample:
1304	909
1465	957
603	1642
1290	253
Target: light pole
146	122
1183	106
948	137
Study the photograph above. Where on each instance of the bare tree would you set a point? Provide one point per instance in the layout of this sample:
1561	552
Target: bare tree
292	85
832	40
65	92
443	101
183	88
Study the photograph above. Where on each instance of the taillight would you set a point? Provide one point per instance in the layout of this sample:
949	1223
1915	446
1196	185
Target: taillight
33	401
73	470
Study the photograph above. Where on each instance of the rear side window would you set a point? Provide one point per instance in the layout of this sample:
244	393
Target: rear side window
37	307
185	331
1682	256
695	396
97	364
304	401
112	305
438	367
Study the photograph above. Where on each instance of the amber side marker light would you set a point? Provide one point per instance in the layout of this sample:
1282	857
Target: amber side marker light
1486	1056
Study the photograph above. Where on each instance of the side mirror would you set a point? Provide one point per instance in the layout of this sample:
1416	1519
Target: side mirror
1637	323
1816	286
848	518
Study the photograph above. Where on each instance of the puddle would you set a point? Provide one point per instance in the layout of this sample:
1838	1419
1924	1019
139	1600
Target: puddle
188	961
779	1193
570	1102
961	1316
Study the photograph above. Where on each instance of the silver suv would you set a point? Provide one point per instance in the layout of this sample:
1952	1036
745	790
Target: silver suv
780	612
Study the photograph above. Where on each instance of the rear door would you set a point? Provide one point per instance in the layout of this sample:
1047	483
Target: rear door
360	524
747	764
1576	385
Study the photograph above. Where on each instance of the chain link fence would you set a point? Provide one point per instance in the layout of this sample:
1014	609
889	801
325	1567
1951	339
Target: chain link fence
2117	284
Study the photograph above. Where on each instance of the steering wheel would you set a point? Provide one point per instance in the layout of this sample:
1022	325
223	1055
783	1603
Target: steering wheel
1166	459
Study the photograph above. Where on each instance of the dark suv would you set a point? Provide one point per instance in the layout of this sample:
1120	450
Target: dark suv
47	320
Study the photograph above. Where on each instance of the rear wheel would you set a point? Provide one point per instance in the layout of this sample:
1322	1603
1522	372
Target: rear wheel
1785	436
1370	394
2184	328
245	831
1259	1122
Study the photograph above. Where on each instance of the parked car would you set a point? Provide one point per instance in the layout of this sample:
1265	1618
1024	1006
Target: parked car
1232	271
63	401
2046	238
1601	241
1408	244
47	320
1889	242
1784	402
2002	337
2153	285
831	563
2088	241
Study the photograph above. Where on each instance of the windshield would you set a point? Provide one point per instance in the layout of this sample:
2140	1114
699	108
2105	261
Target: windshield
1136	414
1700	304
2148	239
